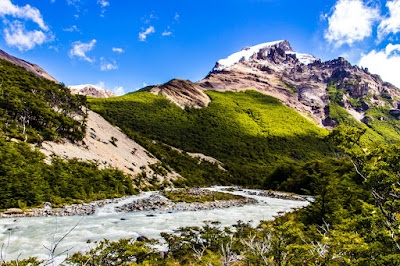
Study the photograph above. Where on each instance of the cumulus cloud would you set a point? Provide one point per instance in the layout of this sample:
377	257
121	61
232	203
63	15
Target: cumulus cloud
79	49
16	35
390	24
118	50
143	34
25	12
106	65
15	32
350	21
385	63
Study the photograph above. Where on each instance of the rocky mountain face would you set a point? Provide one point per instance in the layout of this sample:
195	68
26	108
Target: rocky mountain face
35	69
182	93
302	81
92	91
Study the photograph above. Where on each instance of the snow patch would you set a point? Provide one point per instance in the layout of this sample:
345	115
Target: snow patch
304	58
245	53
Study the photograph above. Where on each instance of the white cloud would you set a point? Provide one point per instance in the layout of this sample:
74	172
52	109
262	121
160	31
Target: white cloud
177	17
71	29
351	21
106	65
118	50
80	49
385	63
74	3
15	32
16	35
119	91
143	35
390	24
103	4
101	85
25	12
166	33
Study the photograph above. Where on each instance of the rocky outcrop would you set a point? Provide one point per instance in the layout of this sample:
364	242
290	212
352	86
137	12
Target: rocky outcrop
92	91
300	81
182	93
35	69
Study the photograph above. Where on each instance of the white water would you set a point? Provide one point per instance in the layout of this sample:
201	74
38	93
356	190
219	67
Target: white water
28	236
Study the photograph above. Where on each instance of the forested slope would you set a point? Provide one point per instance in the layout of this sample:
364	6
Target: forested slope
32	110
249	132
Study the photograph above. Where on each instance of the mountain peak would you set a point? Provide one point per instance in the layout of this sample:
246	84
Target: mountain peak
247	52
91	90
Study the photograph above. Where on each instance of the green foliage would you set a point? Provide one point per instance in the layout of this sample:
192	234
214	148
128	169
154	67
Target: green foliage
36	109
289	87
380	125
122	252
342	117
335	94
384	124
194	195
249	132
26	180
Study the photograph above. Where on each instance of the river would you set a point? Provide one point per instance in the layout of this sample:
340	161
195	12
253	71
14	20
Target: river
27	237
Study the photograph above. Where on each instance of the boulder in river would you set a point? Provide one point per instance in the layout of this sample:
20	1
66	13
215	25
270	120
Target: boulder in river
14	211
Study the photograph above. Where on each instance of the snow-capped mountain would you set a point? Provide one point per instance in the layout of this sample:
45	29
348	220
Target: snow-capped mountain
91	90
301	81
246	53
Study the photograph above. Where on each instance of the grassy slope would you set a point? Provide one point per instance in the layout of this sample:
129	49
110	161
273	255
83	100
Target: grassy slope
249	132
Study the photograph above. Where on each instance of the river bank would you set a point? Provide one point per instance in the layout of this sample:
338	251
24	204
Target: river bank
67	210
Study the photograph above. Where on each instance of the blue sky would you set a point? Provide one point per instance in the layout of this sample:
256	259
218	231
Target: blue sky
125	45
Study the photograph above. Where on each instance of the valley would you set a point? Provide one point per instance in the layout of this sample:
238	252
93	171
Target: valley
265	118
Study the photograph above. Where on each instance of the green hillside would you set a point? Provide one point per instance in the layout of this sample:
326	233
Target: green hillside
251	133
380	126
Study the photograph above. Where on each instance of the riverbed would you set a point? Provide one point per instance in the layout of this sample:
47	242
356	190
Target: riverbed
29	236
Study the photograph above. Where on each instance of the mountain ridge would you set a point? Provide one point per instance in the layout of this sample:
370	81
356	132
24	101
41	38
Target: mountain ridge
33	68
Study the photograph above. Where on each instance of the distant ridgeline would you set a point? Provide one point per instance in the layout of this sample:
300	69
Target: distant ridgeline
32	110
